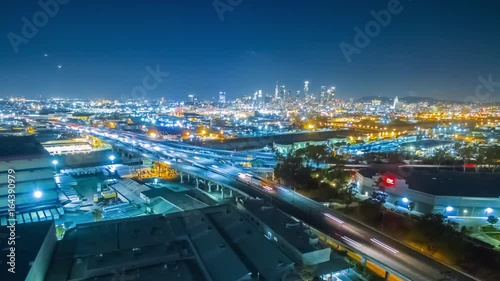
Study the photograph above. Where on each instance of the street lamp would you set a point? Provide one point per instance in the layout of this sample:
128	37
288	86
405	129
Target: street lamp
112	158
55	162
449	209
489	210
405	200
37	194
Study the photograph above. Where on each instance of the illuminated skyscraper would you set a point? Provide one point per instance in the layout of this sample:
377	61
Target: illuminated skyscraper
396	101
277	91
330	93
322	95
259	99
222	98
306	90
283	92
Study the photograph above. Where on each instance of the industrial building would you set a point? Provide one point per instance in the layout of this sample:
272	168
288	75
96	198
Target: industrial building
31	180
217	243
213	244
453	193
28	257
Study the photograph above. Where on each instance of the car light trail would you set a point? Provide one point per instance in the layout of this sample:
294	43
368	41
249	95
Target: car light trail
267	188
284	189
384	246
334	218
351	241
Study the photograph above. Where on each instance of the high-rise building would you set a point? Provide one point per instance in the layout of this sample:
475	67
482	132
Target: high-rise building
277	91
306	90
222	98
258	98
330	93
396	101
322	95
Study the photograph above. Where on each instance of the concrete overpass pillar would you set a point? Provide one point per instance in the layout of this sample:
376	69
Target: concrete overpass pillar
363	261
230	193
222	193
217	187
209	186
197	180
387	274
182	177
188	177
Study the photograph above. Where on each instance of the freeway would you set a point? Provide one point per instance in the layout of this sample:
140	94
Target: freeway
393	255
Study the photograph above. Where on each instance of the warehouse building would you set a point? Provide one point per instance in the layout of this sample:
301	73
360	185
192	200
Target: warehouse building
452	193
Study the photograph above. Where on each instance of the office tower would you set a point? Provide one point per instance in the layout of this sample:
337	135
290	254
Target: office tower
191	97
222	98
258	99
396	101
277	91
306	90
330	93
283	92
297	96
322	95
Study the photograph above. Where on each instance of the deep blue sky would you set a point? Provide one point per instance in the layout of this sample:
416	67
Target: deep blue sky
432	48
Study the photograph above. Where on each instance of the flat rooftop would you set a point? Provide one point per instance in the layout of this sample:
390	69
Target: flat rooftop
441	182
20	147
455	183
215	243
29	239
289	229
250	244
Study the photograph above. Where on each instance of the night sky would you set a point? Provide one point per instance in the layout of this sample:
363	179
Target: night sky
99	48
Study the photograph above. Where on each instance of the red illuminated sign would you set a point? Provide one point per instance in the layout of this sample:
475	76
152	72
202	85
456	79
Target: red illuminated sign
389	181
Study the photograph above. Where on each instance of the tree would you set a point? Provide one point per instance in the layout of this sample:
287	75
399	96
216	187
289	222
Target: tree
60	232
97	214
314	153
464	230
490	156
411	206
466	152
371	211
440	156
307	272
492	220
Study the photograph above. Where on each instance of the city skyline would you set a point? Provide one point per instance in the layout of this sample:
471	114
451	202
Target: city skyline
423	52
